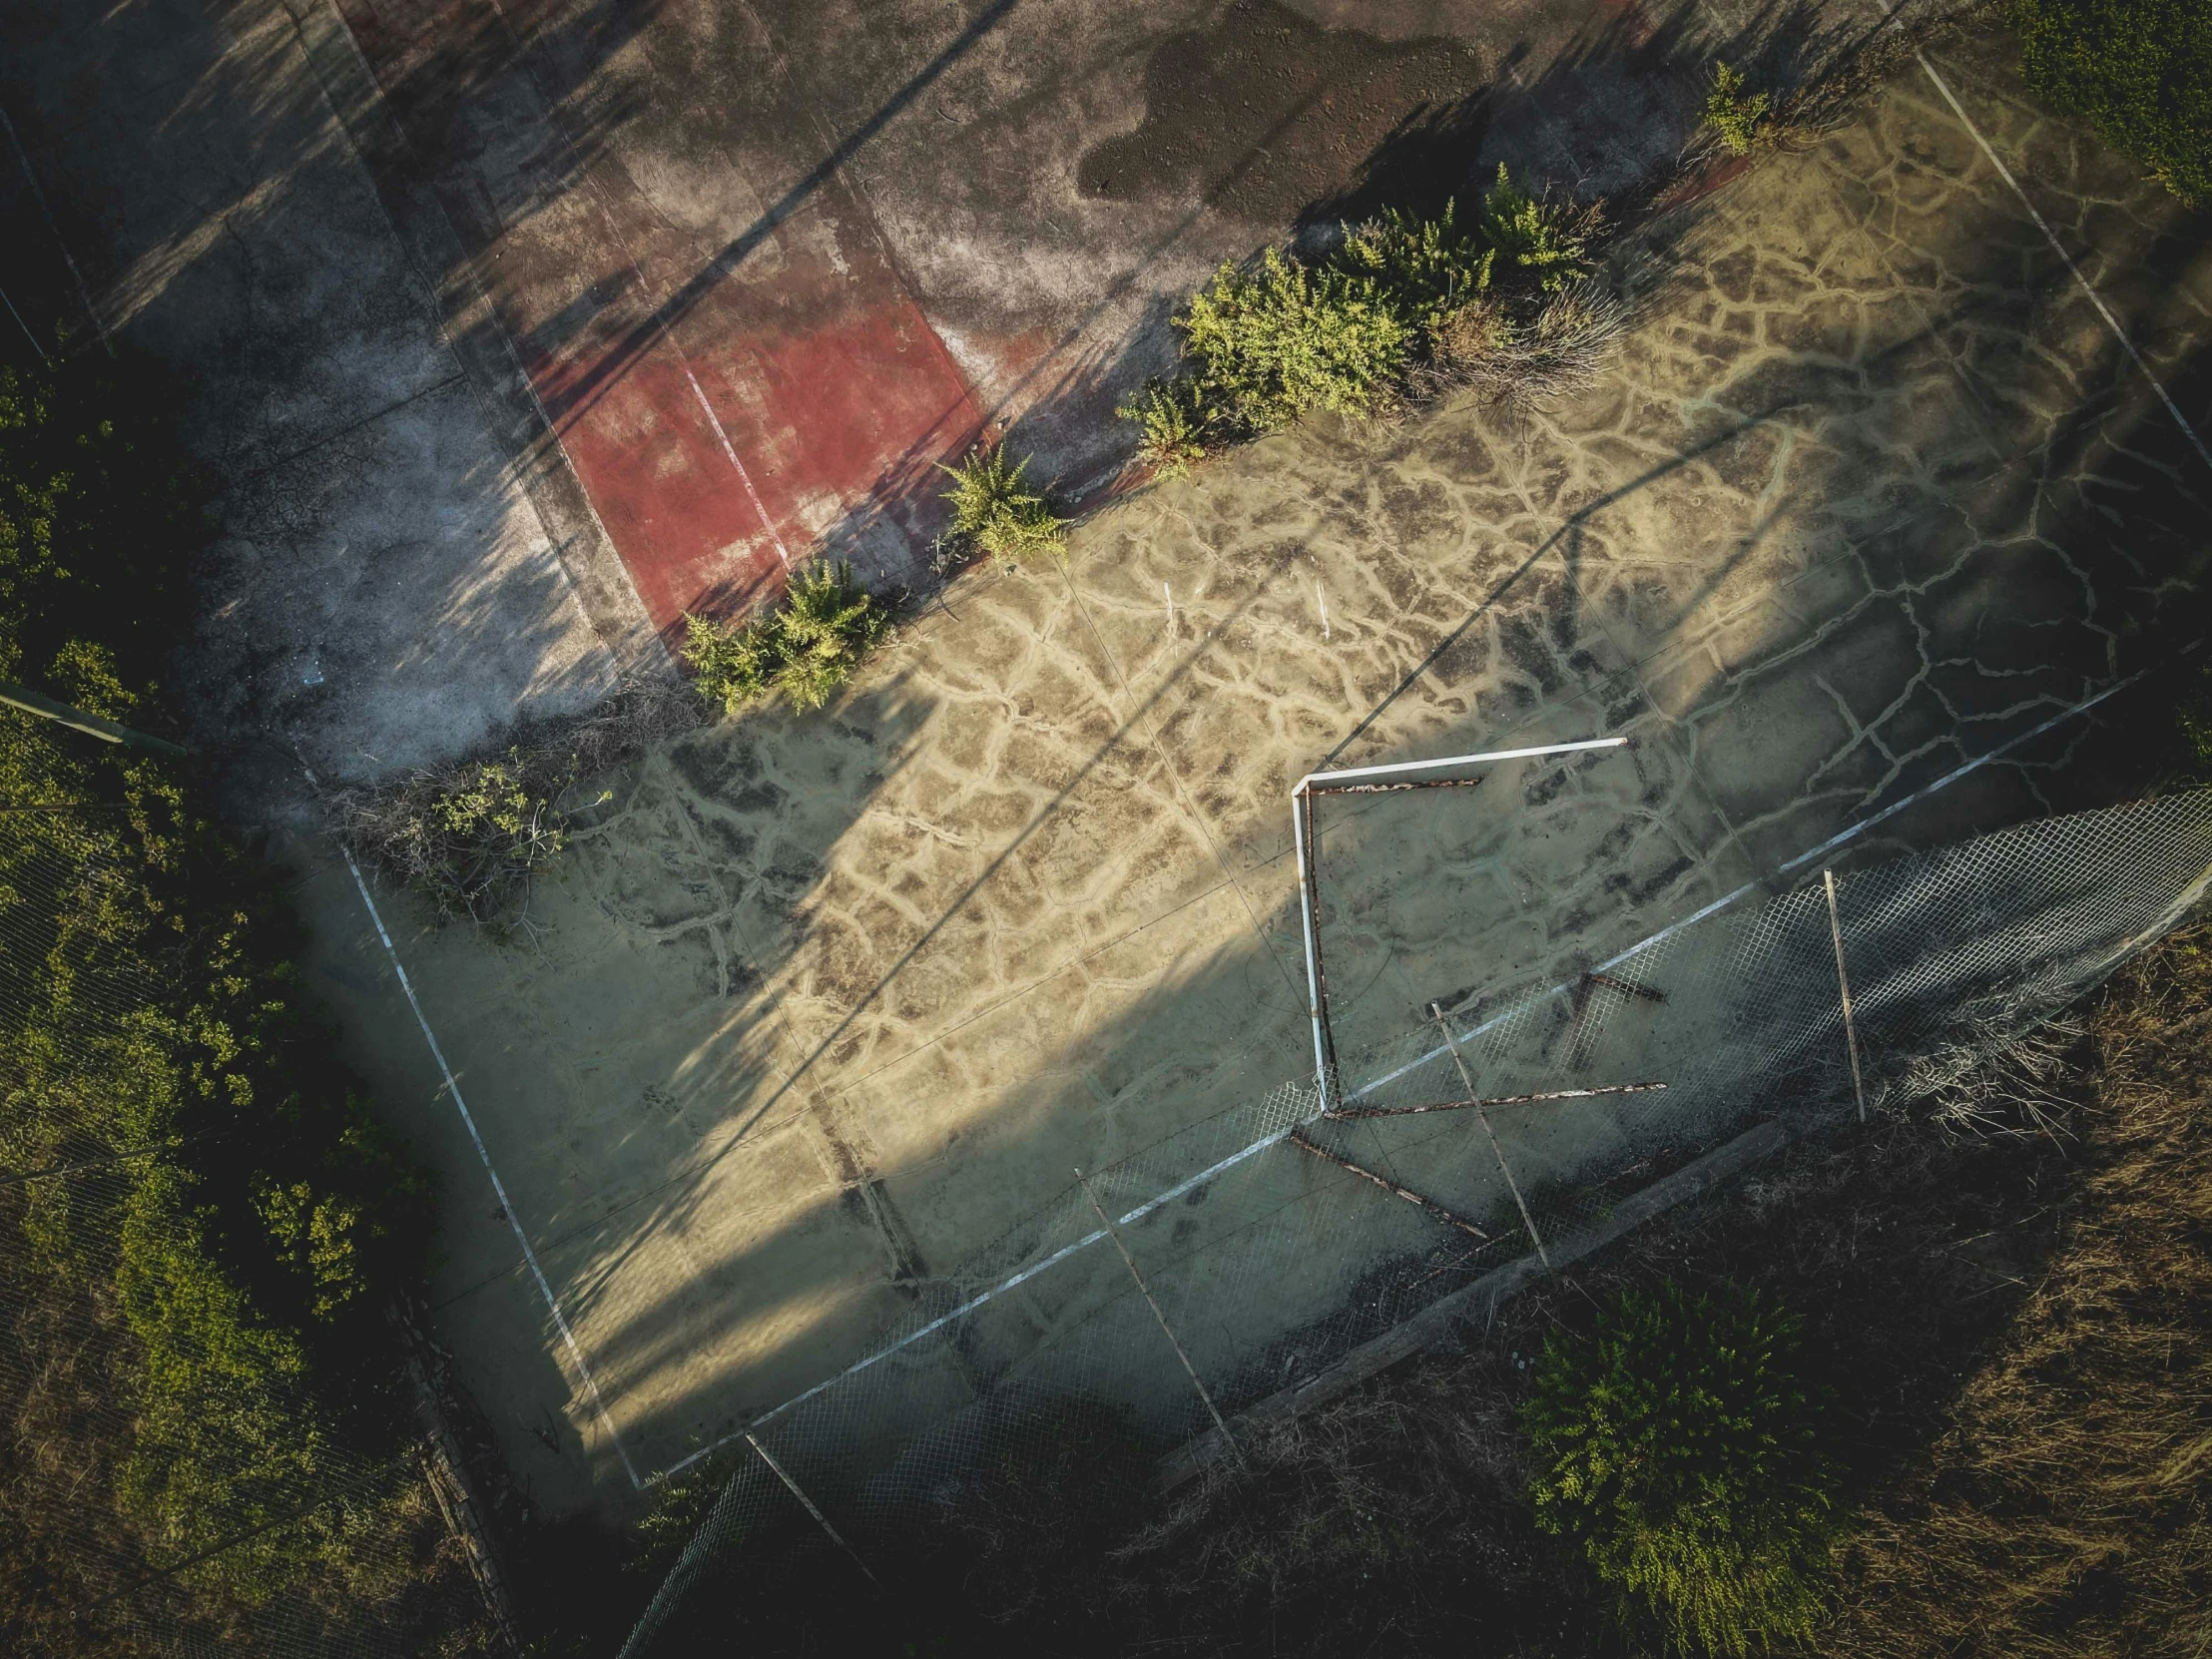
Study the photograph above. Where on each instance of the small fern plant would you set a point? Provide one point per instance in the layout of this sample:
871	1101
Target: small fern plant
1273	342
1533	234
1430	266
806	651
829	624
1741	118
1678	1446
995	512
1172	421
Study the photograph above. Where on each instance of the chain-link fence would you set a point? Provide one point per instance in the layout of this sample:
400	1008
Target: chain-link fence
233	1511
1270	1244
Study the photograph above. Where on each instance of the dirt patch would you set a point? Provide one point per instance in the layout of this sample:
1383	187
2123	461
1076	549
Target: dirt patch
1267	114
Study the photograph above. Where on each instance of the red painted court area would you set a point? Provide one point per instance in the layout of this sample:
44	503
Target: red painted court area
727	406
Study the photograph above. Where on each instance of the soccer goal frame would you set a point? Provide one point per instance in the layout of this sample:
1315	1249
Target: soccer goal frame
1371	780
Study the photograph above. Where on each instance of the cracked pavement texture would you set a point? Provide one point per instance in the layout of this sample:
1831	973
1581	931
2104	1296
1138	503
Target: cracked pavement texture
822	1005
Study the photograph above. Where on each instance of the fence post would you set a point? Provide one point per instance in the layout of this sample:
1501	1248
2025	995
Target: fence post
821	1519
1130	1261
1451	1038
1843	982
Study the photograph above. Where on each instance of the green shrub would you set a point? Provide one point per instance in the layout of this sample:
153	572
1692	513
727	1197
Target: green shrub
1546	239
1428	267
806	650
234	1271
1278	340
1677	1446
2139	70
471	839
1172	425
1740	117
995	513
1403	307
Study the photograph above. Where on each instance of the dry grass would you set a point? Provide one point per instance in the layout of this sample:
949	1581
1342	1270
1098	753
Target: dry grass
480	865
2063	1509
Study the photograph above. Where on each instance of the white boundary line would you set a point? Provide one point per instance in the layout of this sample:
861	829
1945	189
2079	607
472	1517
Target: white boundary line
2110	321
552	1303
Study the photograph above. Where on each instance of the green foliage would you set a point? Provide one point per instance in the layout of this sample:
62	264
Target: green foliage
1402	306
241	1258
1533	234
1742	117
1173	425
806	650
96	503
2139	70
1430	268
474	838
1677	1445
1278	340
995	513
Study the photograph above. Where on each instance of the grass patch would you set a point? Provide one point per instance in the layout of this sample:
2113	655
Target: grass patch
1677	1446
995	515
2139	70
1400	310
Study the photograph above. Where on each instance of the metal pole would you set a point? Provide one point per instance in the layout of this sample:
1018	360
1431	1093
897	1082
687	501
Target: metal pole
1300	822
1346	1112
1393	789
822	1519
1451	1038
1167	1329
1429	1205
1843	981
65	713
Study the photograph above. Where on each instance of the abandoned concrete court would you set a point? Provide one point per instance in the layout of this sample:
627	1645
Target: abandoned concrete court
822	1005
826	1004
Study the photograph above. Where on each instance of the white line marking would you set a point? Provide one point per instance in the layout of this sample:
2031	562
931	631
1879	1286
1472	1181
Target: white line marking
545	1290
2110	321
729	450
1164	588
1324	598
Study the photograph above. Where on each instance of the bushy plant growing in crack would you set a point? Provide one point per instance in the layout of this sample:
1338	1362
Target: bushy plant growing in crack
804	650
997	515
1740	118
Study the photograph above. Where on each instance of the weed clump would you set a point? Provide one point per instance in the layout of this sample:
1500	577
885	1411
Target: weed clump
1676	1445
805	651
1741	119
1287	338
2139	70
1403	307
473	836
996	514
1172	421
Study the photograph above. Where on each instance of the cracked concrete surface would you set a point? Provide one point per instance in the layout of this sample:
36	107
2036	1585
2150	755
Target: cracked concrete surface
822	1005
